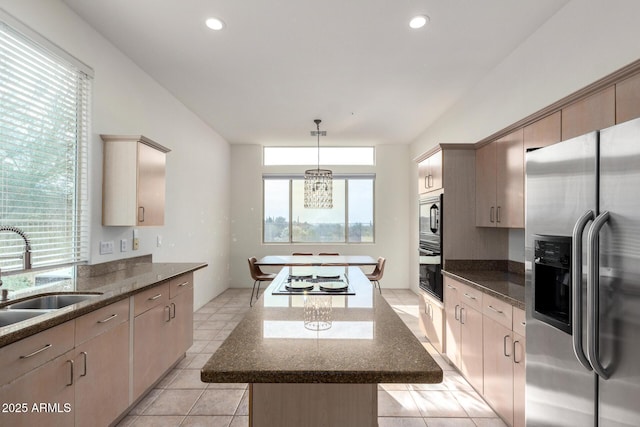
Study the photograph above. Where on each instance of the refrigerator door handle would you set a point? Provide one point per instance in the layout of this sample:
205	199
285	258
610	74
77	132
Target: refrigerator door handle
593	294
576	286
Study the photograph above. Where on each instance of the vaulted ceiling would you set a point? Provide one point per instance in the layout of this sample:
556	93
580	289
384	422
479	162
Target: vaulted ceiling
279	64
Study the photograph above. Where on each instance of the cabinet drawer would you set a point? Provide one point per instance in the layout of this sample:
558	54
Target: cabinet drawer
519	321
150	298
498	310
470	296
180	284
101	320
29	353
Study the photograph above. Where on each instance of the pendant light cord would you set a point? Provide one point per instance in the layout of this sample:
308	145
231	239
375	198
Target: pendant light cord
317	121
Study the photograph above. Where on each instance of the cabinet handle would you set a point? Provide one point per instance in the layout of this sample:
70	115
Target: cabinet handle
523	323
430	181
456	315
470	296
451	287
37	351
168	310
426	181
154	298
141	210
461	312
113	316
491	214
514	352
84	355
504	346
498	214
181	285
71	371
174	310
490	307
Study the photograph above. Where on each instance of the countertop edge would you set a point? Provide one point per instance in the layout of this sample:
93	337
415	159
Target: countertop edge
16	332
513	301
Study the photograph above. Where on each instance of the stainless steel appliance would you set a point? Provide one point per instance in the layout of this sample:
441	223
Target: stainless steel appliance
431	245
582	265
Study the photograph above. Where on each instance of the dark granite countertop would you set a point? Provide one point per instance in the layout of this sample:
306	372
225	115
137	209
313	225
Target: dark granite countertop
367	342
506	286
112	287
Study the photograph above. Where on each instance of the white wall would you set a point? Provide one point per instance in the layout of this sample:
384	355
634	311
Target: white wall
583	42
392	204
128	101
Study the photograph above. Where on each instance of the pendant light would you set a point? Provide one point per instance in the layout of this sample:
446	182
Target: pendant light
318	183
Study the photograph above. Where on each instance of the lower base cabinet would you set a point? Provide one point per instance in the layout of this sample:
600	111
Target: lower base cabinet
498	369
79	373
431	320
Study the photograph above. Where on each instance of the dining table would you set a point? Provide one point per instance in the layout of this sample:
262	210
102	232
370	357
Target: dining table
315	260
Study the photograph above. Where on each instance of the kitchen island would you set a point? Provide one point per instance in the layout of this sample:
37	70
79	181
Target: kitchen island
302	376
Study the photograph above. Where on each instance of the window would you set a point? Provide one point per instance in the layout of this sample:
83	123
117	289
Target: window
349	221
44	99
278	156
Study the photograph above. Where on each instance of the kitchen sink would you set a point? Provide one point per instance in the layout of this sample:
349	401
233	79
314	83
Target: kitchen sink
50	302
9	317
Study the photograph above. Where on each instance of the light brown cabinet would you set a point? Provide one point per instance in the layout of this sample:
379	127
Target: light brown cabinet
628	99
430	173
464	330
101	361
546	131
431	320
181	310
595	112
133	185
500	182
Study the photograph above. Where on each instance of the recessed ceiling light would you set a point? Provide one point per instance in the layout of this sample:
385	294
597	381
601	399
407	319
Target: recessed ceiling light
214	24
418	21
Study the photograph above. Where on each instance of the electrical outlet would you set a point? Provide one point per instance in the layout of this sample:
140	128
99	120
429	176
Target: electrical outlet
158	241
106	247
123	245
136	244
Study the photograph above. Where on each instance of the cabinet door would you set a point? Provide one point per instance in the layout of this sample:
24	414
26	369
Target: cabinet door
102	377
519	380
435	170
423	173
498	368
181	325
150	352
628	99
592	113
151	185
431	321
544	132
471	346
486	185
452	307
45	395
510	181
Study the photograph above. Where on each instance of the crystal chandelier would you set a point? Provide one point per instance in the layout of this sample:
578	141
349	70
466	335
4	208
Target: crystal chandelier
318	183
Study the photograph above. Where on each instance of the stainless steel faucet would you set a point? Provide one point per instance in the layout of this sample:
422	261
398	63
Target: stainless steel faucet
26	258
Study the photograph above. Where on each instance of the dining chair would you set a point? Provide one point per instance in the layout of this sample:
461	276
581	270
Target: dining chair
258	276
328	253
302	253
376	275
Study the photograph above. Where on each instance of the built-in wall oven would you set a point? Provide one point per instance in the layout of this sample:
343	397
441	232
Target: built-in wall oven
431	244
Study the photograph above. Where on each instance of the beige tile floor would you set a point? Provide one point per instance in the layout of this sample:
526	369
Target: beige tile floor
181	399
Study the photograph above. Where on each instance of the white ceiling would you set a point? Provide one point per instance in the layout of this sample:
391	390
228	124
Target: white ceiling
279	64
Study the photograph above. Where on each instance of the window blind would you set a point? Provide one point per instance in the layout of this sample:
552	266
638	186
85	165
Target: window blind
44	118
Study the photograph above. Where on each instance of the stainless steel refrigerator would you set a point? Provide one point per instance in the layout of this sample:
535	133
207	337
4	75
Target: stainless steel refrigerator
582	266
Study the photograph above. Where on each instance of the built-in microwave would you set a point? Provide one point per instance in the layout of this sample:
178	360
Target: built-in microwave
430	214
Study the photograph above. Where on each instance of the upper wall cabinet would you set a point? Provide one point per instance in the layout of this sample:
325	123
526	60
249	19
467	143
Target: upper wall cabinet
545	131
500	182
628	99
430	173
592	113
133	185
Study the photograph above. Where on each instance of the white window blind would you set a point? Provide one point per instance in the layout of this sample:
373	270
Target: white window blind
44	117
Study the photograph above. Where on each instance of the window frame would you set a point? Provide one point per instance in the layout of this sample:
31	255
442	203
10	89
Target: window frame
346	177
75	249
